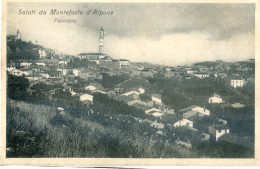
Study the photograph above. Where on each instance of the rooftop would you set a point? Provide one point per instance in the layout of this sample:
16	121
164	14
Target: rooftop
157	95
220	127
188	108
91	54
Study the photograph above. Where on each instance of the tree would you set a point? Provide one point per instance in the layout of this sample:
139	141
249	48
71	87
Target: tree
17	87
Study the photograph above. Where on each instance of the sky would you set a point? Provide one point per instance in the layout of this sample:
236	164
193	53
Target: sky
162	33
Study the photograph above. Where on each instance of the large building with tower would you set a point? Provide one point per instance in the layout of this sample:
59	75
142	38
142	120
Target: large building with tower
101	57
18	35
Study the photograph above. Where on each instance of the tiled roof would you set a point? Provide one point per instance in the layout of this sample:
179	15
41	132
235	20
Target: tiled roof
188	108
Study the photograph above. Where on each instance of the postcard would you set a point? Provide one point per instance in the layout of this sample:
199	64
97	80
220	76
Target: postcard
108	83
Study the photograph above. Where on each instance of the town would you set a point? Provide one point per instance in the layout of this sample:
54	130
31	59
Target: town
206	107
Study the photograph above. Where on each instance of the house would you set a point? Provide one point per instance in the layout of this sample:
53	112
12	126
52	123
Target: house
41	64
122	63
45	75
105	59
132	94
16	72
218	130
157	99
191	71
10	68
167	110
189	114
87	74
100	91
202	111
90	88
157	125
60	110
96	57
215	99
63	62
154	112
237	82
237	105
183	122
157	114
141	90
25	64
63	71
75	72
42	53
201	75
133	102
86	97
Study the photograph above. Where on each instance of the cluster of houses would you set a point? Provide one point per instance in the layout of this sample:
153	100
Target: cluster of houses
151	104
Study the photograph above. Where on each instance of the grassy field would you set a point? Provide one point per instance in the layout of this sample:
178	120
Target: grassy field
31	132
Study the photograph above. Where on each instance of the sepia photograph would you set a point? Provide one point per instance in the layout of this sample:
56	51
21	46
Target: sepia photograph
129	80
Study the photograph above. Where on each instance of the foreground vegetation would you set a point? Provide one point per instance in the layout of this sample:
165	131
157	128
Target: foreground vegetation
31	132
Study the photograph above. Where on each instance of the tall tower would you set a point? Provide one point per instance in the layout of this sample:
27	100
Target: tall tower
18	35
101	40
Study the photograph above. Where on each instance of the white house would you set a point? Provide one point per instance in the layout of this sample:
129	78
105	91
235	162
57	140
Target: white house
141	90
189	114
123	63
156	98
75	72
86	97
133	94
63	62
42	53
190	71
152	110
195	108
157	125
219	130
25	64
202	110
90	88
157	114
183	122
16	72
63	71
201	75
10	68
41	64
237	82
215	99
100	91
45	75
237	105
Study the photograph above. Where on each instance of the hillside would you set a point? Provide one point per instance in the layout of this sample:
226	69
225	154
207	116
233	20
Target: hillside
82	136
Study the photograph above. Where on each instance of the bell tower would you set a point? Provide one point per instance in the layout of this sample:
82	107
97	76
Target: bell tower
101	40
18	35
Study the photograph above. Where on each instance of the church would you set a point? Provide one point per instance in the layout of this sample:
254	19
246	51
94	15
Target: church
100	57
